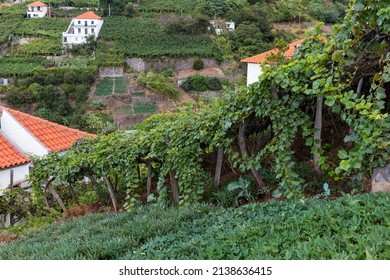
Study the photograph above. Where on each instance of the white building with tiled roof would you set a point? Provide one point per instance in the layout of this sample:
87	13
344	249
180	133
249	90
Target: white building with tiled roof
81	27
21	135
37	10
254	68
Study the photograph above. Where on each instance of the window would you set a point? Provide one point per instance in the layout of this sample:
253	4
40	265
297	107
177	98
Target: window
39	8
86	30
79	22
32	9
79	30
93	30
92	22
86	23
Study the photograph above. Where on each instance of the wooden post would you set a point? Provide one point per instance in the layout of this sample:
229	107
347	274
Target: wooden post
358	94
149	179
241	143
174	187
218	168
11	179
55	194
112	194
317	134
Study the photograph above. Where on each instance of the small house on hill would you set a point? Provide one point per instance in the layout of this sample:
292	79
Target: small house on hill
221	26
254	69
37	10
21	135
83	26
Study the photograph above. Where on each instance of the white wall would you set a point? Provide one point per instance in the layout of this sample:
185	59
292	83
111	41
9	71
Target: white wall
20	174
253	72
78	35
23	139
32	12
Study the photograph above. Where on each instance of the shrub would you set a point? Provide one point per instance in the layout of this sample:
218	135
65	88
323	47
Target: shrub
198	64
214	83
201	83
98	105
159	84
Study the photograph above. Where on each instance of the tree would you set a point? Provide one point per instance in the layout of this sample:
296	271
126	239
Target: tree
214	8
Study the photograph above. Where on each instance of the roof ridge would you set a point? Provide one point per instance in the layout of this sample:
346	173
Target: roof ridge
46	122
37	3
53	136
262	57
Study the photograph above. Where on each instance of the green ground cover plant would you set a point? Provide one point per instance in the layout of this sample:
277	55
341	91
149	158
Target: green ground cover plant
145	109
109	86
166	6
120	85
138	93
104	87
40	47
351	227
20	66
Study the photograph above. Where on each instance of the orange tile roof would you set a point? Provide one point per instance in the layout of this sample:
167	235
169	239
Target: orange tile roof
9	156
37	3
88	15
53	136
261	58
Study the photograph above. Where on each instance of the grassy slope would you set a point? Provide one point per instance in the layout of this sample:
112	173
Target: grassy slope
355	227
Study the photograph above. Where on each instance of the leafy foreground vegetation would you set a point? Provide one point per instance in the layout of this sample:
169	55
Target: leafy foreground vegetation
352	227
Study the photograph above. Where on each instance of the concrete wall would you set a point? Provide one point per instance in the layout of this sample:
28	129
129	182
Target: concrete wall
12	129
140	65
253	72
111	72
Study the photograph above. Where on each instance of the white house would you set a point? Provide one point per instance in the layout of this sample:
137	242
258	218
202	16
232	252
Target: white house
220	26
81	27
254	69
22	134
37	10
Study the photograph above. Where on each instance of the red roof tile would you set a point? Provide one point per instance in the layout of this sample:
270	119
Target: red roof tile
37	3
9	156
53	136
260	58
88	15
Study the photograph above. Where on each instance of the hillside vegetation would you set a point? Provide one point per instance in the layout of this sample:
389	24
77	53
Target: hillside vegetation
319	120
316	124
348	228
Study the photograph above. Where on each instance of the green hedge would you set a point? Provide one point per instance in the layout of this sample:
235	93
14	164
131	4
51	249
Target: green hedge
201	83
352	227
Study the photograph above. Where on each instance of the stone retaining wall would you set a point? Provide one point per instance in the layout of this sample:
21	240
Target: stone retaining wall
141	65
112	72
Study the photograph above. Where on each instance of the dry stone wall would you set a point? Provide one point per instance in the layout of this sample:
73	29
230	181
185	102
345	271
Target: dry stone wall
141	65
